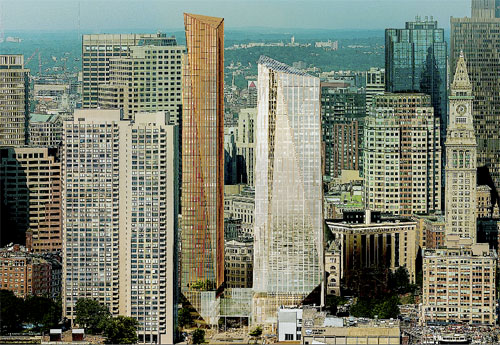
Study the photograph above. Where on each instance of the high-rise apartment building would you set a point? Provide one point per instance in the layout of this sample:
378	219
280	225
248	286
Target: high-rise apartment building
375	85
149	79
202	255
120	208
14	101
461	163
342	117
98	49
416	61
479	39
402	155
288	225
245	144
30	181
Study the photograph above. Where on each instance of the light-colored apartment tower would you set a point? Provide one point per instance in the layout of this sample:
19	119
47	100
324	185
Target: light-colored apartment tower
288	226
149	79
375	84
402	155
120	208
30	179
461	162
98	49
14	101
245	142
202	255
478	37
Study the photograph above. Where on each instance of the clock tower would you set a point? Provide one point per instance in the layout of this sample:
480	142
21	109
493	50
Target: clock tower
461	152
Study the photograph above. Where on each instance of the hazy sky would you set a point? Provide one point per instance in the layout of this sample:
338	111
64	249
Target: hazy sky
112	15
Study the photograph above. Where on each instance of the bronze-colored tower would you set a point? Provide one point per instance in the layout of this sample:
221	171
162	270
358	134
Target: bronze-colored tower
202	254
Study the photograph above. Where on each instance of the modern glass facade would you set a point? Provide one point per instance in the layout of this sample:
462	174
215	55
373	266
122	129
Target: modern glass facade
416	61
479	39
342	116
202	255
288	226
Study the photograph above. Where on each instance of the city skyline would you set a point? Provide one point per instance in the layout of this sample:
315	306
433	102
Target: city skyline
284	187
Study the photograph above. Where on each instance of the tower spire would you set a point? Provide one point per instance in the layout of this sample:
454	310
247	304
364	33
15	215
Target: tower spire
461	79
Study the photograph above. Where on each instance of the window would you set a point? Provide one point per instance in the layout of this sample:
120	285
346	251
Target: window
288	336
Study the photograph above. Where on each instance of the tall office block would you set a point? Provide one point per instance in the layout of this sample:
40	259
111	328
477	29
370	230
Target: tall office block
402	155
375	85
416	60
479	39
149	79
245	144
343	111
461	152
98	49
202	255
14	101
30	183
120	208
288	225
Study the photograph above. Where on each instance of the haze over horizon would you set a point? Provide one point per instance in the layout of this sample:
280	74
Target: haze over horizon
95	16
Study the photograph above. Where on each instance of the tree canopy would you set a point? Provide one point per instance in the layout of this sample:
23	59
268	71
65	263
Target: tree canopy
91	315
121	330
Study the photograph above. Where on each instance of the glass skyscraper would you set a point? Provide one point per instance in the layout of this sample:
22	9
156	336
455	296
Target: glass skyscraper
288	226
202	254
416	61
479	39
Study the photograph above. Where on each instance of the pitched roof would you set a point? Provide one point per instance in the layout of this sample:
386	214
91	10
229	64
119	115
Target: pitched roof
461	79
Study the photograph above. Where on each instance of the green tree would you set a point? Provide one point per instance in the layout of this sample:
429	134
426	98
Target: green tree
399	281
362	308
199	336
91	315
121	330
387	309
11	312
184	317
42	312
256	332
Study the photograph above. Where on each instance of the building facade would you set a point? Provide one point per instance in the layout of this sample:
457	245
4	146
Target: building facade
14	101
238	264
202	255
25	274
459	285
149	79
120	218
98	49
288	225
402	155
45	130
342	119
479	39
375	85
245	144
461	162
416	61
30	178
368	241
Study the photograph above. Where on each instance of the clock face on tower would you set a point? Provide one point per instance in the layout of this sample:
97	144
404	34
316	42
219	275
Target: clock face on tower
461	109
